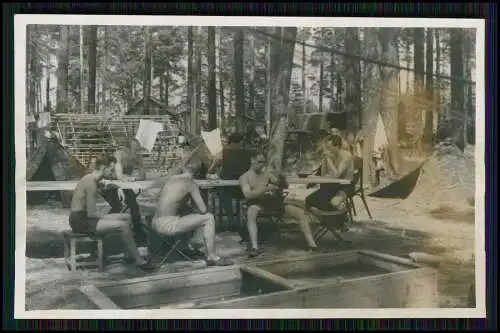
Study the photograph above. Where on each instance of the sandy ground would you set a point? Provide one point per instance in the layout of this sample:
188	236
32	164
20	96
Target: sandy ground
394	230
398	227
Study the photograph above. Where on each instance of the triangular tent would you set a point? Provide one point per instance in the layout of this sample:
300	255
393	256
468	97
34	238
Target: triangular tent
52	162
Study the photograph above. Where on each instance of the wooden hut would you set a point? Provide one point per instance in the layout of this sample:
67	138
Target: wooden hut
155	108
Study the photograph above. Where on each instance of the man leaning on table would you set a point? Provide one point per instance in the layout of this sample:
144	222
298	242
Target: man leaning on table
128	159
84	217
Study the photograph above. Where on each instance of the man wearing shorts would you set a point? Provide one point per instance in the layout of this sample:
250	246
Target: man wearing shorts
264	192
84	218
170	221
337	163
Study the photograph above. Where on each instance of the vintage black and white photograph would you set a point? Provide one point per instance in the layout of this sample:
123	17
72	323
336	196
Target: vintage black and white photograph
183	163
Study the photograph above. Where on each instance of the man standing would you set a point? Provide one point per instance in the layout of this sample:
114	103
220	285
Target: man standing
128	160
264	193
170	221
84	218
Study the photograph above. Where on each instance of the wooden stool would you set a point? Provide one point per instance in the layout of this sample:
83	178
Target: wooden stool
71	240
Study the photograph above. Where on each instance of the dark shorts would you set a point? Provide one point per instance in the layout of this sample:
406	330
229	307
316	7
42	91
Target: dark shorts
274	205
80	223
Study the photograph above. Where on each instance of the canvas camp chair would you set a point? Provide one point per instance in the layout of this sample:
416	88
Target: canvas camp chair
172	244
330	221
167	244
275	221
357	188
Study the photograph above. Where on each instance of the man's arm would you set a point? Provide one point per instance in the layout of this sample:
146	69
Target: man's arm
215	164
198	200
140	167
91	201
248	191
119	168
345	163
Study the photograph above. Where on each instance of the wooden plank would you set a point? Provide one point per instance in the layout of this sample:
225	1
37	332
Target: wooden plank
278	280
291	266
389	266
388	257
163	282
407	289
278	300
204	183
98	297
415	288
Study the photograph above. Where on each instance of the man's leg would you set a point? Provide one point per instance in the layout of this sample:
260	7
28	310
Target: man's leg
252	213
121	223
111	197
226	202
298	214
189	223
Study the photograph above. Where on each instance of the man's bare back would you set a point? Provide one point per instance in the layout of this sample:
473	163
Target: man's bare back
174	194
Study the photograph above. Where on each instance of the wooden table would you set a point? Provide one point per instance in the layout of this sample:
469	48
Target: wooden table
69	185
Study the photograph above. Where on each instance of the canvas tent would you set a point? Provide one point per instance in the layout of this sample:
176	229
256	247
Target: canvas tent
51	162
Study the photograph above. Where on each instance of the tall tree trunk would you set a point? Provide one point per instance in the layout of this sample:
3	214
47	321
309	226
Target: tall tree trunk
92	67
419	66
238	80
438	71
388	99
457	87
190	125
62	71
304	88
353	80
289	36
47	84
198	107
429	86
33	69
251	82
161	88
105	82
166	98
212	89
269	90
332	82
82	72
146	94
470	109
221	84
321	76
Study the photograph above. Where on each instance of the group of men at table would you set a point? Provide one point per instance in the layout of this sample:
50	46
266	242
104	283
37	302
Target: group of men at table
262	190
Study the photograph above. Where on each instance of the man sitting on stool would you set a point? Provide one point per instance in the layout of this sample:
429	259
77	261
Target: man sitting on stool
264	192
169	221
84	219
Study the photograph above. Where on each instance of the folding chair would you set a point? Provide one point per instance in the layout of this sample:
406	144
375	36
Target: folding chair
275	219
172	243
356	188
330	221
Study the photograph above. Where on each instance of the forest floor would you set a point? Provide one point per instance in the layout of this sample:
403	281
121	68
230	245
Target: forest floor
397	228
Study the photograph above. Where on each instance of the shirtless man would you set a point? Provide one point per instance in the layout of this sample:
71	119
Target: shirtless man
168	220
128	158
337	163
263	192
84	218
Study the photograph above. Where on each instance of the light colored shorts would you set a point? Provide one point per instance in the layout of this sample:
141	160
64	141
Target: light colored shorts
167	225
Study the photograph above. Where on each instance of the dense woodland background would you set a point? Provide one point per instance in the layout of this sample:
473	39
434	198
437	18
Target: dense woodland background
231	77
